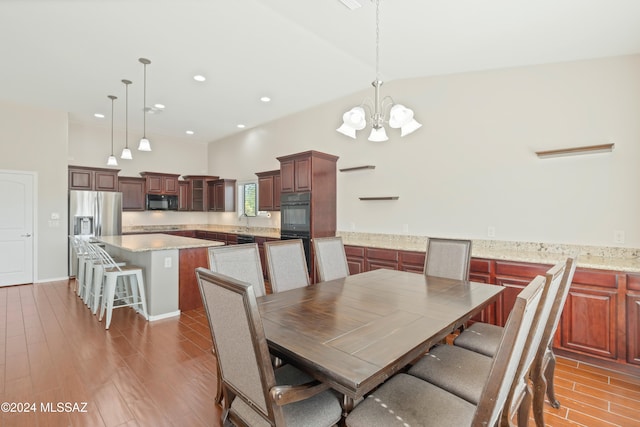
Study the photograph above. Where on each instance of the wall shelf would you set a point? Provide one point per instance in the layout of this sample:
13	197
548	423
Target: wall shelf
357	168
575	151
380	198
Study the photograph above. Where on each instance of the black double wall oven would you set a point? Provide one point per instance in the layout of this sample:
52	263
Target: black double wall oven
295	220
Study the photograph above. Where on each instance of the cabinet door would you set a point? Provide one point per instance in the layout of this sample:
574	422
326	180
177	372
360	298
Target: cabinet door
155	184
381	258
80	179
197	195
170	185
132	190
303	175
412	261
355	259
265	193
183	196
218	196
106	180
287	176
276	192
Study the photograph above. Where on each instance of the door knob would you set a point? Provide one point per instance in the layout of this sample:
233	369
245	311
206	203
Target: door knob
26	235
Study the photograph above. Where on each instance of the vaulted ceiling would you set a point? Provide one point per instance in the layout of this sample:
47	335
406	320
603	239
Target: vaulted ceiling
71	54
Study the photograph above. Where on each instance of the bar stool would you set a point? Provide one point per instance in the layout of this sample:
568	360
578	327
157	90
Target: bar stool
94	275
123	286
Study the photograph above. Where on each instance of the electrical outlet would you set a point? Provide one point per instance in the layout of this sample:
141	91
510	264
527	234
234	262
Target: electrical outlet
405	228
618	236
491	231
167	262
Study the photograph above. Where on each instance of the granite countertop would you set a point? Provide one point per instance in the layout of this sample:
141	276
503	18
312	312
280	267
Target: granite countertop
231	229
155	242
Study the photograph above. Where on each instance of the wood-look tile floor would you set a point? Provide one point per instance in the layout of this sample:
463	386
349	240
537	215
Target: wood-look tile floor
53	350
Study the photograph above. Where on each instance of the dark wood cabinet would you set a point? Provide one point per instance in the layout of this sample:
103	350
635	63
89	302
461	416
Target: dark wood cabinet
198	200
633	318
183	196
411	261
133	193
355	259
161	183
93	179
269	185
295	174
221	195
380	258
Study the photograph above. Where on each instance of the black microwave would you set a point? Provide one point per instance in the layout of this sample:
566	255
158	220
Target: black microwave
162	202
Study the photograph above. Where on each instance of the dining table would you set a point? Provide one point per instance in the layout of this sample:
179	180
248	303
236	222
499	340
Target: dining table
355	332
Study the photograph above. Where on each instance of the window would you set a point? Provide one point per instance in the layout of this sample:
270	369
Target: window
247	199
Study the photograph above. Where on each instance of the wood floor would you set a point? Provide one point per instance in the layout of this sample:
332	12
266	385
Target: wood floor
54	352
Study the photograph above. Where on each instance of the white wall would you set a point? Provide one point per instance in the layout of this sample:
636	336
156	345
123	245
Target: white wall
35	140
472	164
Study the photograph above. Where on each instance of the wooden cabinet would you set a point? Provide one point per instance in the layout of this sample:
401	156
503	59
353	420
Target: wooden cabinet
380	258
355	259
161	183
411	261
295	174
93	179
198	191
133	193
269	190
222	195
514	276
633	318
183	196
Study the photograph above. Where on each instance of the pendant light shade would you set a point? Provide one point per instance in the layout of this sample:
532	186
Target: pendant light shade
126	153
144	144
111	161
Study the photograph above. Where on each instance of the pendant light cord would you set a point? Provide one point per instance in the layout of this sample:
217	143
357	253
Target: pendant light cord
144	100
377	40
112	99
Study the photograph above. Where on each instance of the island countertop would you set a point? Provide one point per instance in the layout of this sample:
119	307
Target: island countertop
155	242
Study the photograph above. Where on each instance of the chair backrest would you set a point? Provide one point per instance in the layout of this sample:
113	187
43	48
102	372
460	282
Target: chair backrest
505	362
553	279
242	262
557	307
102	256
331	260
286	264
240	344
448	258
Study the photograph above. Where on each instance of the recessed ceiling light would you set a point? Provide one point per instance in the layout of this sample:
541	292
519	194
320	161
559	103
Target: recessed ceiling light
189	132
265	99
98	115
199	78
240	126
159	106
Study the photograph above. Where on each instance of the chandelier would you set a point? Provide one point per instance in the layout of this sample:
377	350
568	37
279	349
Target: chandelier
400	117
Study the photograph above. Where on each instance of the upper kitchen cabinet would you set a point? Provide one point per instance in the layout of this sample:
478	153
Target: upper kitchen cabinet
183	196
161	183
221	195
198	191
133	192
93	179
269	190
303	171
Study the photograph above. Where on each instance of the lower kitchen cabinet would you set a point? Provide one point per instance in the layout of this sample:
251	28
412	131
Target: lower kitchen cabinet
380	258
633	318
355	259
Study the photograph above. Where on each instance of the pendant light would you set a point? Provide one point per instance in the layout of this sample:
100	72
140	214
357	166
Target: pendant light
126	153
111	161
400	117
144	144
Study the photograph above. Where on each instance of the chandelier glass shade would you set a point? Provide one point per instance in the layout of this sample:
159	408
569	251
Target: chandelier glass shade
399	116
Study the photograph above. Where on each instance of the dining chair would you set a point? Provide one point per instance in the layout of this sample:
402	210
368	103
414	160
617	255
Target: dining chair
462	371
286	264
242	262
331	260
254	392
483	338
411	401
448	258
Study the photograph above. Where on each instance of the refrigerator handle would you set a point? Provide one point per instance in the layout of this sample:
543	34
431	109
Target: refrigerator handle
97	225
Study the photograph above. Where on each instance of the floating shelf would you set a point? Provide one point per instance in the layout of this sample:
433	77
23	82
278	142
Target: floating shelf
380	198
575	151
357	168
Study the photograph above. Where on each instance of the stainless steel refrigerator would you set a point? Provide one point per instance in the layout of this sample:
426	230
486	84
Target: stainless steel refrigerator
93	213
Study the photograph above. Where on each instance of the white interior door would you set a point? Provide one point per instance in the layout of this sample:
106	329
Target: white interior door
16	228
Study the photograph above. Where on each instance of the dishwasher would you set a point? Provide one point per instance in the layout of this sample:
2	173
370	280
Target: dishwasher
245	238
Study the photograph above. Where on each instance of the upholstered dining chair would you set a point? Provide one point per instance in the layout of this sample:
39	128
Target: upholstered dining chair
448	258
286	264
255	393
411	401
463	372
242	262
483	338
331	260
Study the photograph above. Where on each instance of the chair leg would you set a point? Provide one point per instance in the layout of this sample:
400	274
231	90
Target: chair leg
107	299
523	409
539	390
141	294
549	373
97	287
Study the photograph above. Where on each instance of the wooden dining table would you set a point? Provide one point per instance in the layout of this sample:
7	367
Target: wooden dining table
354	333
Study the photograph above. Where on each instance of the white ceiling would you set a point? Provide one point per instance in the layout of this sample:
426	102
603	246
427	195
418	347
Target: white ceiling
71	54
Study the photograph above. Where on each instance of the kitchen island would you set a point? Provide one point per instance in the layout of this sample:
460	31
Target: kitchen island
169	264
